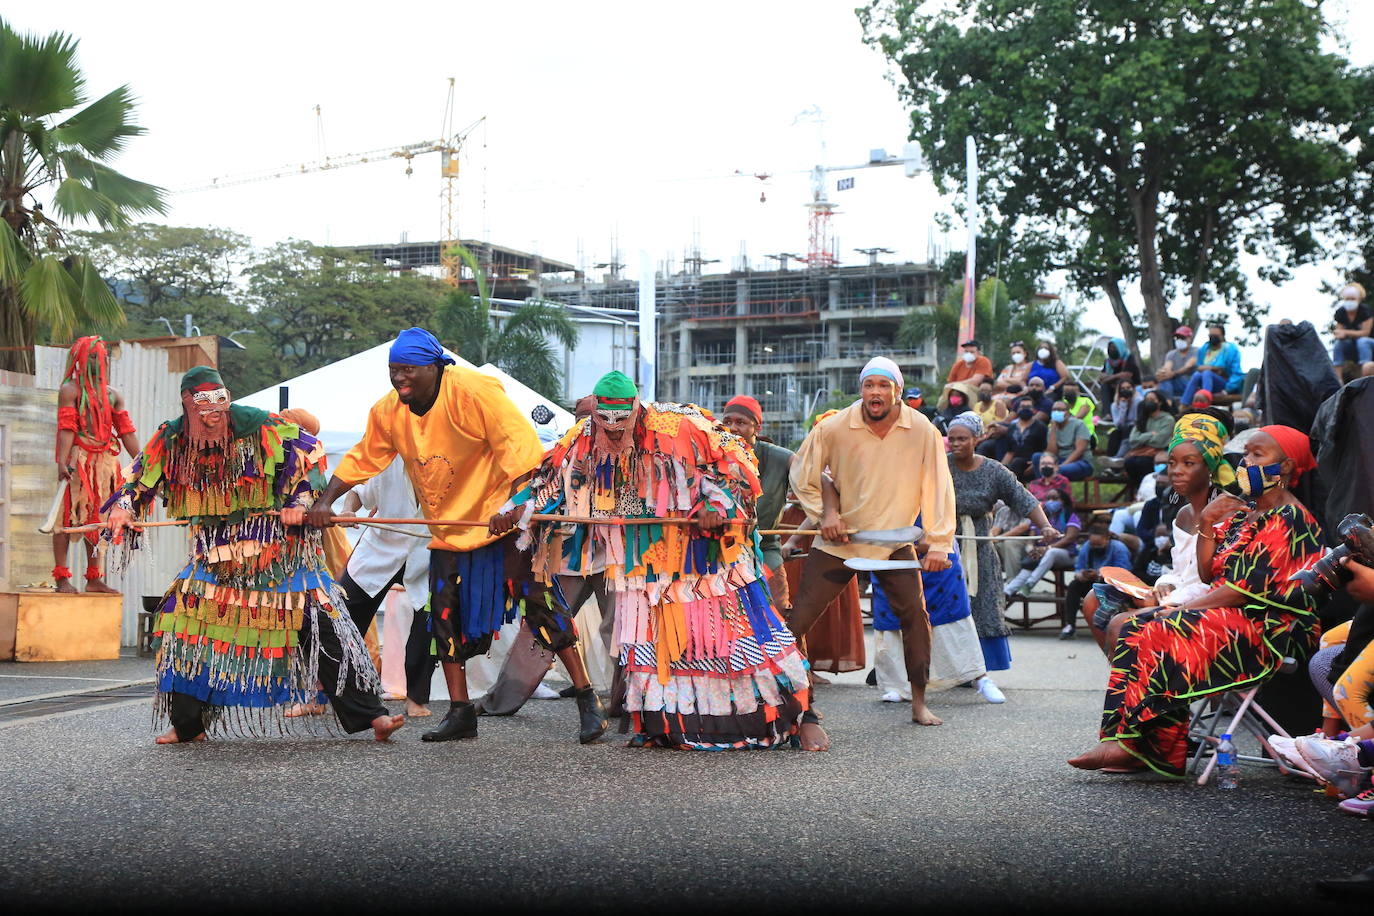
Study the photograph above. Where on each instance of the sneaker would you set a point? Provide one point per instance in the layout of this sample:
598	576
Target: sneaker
1362	804
545	692
989	690
1328	758
892	696
1068	631
1287	750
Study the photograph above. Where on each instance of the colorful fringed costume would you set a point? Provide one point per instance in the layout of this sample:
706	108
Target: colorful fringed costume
708	662
254	619
95	427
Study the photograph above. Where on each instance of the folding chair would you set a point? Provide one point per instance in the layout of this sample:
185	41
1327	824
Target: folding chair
1233	713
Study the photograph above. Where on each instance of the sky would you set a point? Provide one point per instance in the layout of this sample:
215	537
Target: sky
629	126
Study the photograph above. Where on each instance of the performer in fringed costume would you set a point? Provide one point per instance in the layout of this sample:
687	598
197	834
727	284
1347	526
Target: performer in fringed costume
708	662
91	425
254	621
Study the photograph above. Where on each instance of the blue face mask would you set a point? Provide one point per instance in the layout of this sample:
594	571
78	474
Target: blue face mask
1058	416
1254	480
1053	507
1161	468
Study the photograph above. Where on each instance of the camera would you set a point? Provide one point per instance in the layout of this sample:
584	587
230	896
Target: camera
1355	536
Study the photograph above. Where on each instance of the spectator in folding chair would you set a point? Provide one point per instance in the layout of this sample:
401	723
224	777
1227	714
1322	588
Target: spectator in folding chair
1234	636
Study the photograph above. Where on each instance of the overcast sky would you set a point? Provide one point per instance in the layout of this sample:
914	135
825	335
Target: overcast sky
603	120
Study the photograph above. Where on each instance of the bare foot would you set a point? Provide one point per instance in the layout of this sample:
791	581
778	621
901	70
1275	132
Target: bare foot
820	679
417	710
921	714
296	710
813	737
170	737
383	726
1107	754
64	587
98	586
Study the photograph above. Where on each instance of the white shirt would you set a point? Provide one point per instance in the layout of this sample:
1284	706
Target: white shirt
1184	575
379	553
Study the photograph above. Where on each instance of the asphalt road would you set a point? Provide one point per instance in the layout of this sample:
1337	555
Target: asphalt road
982	812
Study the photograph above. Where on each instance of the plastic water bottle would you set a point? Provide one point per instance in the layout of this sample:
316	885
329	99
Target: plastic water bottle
1228	773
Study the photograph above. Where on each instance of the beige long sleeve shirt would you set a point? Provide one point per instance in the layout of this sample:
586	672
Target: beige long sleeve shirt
883	482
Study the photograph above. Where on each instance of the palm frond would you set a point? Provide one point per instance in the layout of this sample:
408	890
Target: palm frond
545	317
470	259
529	357
74	199
464	327
39	76
50	296
97	304
127	196
102	127
14	257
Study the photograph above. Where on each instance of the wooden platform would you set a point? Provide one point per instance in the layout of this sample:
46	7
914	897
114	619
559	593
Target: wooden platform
39	625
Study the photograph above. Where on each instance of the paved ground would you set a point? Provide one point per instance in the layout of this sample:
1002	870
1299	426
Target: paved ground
980	812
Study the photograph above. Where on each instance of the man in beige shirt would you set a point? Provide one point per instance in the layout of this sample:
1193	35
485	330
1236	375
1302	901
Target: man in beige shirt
888	465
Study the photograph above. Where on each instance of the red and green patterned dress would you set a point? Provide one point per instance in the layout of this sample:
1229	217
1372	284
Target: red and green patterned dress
1160	666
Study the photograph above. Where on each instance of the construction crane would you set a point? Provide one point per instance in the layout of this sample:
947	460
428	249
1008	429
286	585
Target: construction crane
449	146
820	250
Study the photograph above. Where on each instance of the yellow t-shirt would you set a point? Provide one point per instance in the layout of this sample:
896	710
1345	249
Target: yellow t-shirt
463	455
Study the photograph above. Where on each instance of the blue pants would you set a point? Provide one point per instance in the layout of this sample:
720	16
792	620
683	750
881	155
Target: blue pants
1074	470
1353	350
1174	387
1203	378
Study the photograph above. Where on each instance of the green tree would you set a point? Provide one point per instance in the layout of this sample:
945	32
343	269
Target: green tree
518	340
51	145
1155	140
313	305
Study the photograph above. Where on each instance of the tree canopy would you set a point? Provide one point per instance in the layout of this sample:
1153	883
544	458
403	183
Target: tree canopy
1149	140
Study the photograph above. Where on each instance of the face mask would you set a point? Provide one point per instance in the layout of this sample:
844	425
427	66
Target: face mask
1046	471
1058	416
1025	413
1160	468
1255	480
968	357
956	401
1216	341
1053	507
1042	353
1018	358
1162	542
1148	407
1351	305
1127	395
1181	345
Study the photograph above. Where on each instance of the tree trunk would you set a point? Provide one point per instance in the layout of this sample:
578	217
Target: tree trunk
1145	207
1111	285
1204	258
16	332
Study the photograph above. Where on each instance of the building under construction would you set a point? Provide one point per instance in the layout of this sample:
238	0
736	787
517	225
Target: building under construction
787	337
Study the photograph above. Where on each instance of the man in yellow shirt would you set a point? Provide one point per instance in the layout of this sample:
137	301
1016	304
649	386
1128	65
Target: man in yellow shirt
466	448
889	466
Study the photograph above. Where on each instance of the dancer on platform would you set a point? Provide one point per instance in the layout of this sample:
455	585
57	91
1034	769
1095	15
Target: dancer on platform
466	447
254	621
708	663
91	426
888	464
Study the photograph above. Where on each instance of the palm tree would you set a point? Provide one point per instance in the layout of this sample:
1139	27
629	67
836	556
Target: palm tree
518	342
47	147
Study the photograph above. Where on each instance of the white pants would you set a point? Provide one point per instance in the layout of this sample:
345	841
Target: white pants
1054	558
956	657
397	615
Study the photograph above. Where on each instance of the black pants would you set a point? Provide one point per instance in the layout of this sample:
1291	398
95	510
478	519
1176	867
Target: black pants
355	707
1074	593
420	662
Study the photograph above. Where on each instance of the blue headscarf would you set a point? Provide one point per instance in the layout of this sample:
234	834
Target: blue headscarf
417	347
1121	348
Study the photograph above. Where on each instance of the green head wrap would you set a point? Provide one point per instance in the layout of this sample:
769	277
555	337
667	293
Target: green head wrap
1209	436
200	376
615	390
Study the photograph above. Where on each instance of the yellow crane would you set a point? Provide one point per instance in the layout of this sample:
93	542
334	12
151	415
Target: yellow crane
449	146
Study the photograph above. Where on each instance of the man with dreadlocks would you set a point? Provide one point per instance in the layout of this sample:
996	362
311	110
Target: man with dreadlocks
708	662
254	621
91	425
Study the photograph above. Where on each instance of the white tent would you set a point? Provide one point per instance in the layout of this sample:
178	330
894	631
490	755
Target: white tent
342	393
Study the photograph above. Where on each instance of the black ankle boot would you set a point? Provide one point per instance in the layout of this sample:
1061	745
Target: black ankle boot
592	715
459	722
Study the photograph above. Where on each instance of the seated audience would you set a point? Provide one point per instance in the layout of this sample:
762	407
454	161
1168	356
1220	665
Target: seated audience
990	410
1050	552
1176	369
1023	438
1080	405
1015	372
1154	427
955	399
1101	550
1047	367
915	399
1350	330
1123	410
1040	399
1235	634
1068	440
970	366
1218	366
1119	366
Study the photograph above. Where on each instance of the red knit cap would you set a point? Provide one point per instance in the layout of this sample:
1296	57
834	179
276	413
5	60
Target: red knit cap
1296	446
742	403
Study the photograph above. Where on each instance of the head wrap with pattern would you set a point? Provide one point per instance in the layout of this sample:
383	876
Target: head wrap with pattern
1209	437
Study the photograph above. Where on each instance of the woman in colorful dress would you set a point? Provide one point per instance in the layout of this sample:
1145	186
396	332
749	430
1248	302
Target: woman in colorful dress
254	621
978	484
709	663
1236	634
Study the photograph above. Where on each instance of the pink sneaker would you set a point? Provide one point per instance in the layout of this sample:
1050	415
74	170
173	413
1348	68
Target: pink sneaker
1362	804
